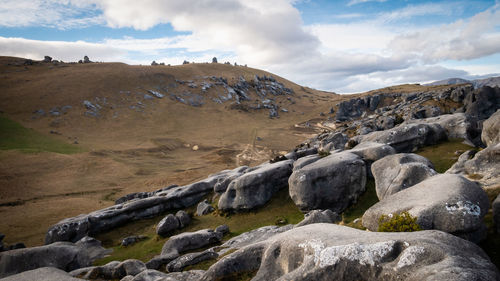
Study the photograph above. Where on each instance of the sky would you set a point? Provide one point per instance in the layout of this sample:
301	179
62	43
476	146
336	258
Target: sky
342	46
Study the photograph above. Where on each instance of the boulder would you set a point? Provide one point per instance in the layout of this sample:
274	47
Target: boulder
484	167
459	166
406	137
204	208
334	252
42	274
304	161
128	267
333	182
222	183
256	187
491	129
335	140
445	202
496	213
190	241
127	241
253	236
400	171
183	218
190	259
160	260
224	229
167	225
319	216
63	255
372	151
483	102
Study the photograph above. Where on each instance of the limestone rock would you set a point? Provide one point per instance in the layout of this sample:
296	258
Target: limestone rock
399	171
167	225
42	274
183	218
190	259
445	202
256	187
484	167
204	208
128	267
491	129
333	182
191	241
319	216
333	252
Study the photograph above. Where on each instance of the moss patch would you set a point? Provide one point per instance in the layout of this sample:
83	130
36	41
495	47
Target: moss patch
14	136
443	155
280	207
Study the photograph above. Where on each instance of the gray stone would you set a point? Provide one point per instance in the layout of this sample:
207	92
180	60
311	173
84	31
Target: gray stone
496	213
406	137
190	259
224	229
483	102
335	139
319	216
371	152
127	241
204	208
491	129
63	255
400	171
304	161
333	182
42	274
255	188
484	167
183	217
253	236
445	202
96	272
222	183
128	267
190	241
167	225
333	252
156	94
160	260
459	166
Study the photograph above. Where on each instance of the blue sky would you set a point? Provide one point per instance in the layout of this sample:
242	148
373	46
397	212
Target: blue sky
343	46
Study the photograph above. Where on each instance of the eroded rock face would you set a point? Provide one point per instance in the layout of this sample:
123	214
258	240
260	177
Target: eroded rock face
256	187
406	137
491	129
333	252
445	202
63	255
399	171
333	182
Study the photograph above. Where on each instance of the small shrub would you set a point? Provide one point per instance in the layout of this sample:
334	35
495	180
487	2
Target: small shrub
404	222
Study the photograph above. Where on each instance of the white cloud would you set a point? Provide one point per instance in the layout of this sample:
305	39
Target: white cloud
355	2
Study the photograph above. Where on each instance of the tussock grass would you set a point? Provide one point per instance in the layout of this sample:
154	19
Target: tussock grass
14	136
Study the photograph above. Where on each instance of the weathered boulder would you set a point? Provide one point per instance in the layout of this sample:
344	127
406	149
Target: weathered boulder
256	187
190	241
178	197
332	141
496	213
63	255
333	252
204	208
400	171
42	274
183	218
224	229
167	225
333	182
483	102
445	202
319	216
491	129
459	166
128	267
484	167
372	151
304	161
222	183
190	259
406	137
160	260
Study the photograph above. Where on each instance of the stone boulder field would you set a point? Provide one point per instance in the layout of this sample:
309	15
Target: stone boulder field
399	183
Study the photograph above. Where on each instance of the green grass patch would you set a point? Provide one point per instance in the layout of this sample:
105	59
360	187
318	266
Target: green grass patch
443	155
365	201
279	208
14	136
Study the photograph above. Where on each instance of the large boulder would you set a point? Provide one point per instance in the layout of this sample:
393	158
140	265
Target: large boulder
333	182
483	102
191	241
255	188
63	255
372	151
167	225
190	259
496	212
445	202
183	218
42	274
399	171
491	129
334	252
406	137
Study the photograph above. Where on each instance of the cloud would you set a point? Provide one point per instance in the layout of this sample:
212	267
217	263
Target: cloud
355	2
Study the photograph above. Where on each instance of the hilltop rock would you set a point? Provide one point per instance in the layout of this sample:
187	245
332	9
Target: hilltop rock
491	129
47	59
333	252
406	137
42	274
496	212
355	107
319	216
256	187
445	202
333	182
204	208
483	102
190	241
86	59
63	255
400	171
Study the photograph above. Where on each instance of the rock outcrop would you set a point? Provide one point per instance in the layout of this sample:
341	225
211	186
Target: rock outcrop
399	171
491	129
333	182
333	252
445	202
256	187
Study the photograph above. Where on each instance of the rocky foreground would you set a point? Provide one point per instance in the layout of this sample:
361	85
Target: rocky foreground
375	138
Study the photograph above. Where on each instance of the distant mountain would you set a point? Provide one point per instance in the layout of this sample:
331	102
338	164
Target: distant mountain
478	83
